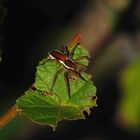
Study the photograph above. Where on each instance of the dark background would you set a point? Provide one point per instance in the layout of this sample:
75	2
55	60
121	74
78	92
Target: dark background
33	27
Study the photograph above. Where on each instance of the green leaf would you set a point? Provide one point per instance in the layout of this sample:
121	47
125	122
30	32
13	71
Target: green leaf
130	101
50	108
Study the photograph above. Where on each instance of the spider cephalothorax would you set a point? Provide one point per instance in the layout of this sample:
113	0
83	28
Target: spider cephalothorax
70	66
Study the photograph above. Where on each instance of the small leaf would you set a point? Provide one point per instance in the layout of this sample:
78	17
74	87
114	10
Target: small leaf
50	108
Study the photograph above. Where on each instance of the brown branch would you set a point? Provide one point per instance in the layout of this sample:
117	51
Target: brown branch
8	116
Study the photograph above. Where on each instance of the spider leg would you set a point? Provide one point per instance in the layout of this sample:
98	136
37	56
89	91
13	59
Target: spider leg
73	49
65	50
67	83
82	57
81	67
77	74
54	79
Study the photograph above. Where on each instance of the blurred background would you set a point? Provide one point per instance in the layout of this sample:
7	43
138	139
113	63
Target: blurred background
110	30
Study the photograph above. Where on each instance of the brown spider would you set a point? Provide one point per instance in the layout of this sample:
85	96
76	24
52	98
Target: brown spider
70	65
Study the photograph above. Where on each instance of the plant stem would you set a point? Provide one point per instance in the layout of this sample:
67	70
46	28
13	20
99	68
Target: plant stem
8	116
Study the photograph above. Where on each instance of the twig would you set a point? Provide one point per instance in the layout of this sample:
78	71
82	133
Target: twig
8	116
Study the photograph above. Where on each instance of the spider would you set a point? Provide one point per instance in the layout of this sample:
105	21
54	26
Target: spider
70	66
